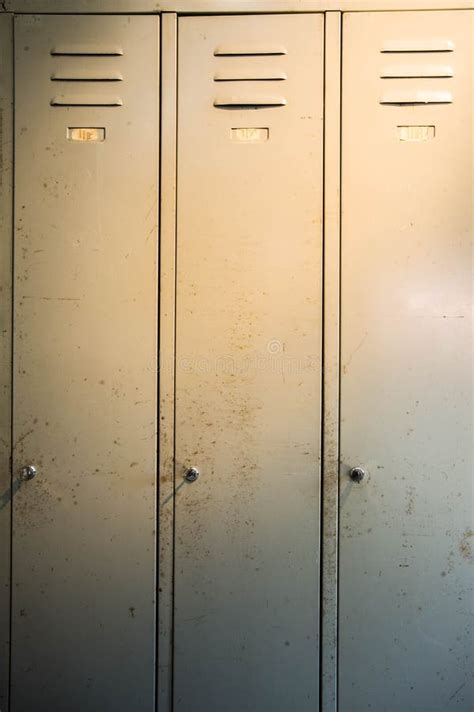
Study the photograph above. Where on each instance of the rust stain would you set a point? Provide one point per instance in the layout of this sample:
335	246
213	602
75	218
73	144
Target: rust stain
410	506
465	546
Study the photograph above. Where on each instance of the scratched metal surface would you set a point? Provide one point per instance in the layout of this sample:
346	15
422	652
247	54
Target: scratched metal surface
248	379
6	148
406	549
85	373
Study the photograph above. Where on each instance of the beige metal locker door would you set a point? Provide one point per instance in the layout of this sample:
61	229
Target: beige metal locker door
248	363
85	363
407	359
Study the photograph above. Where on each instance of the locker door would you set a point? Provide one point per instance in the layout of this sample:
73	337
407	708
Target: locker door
85	363
407	355
248	363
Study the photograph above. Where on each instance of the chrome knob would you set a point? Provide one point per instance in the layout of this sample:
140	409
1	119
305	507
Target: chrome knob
28	472
191	474
358	474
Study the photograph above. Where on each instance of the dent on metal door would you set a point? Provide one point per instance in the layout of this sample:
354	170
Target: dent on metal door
85	363
248	363
406	529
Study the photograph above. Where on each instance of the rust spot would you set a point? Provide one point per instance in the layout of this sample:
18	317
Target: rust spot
410	505
465	546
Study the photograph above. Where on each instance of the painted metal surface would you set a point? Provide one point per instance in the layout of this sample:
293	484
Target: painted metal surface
261	6
224	6
82	6
406	543
169	57
248	373
6	162
332	237
85	319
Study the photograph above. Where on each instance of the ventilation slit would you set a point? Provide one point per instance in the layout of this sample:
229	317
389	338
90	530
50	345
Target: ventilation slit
416	97
249	75
231	70
425	71
249	102
416	46
83	75
86	100
85	50
72	73
403	93
249	50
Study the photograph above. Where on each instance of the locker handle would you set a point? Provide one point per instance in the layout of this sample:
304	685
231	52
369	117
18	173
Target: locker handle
358	474
28	472
239	102
191	474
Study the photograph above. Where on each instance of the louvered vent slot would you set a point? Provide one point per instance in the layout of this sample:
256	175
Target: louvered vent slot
431	45
249	102
84	75
86	100
251	74
409	71
86	50
415	97
231	70
249	50
87	78
402	92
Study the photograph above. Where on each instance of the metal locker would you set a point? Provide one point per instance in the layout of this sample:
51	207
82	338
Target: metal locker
85	330
405	585
248	363
250	366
